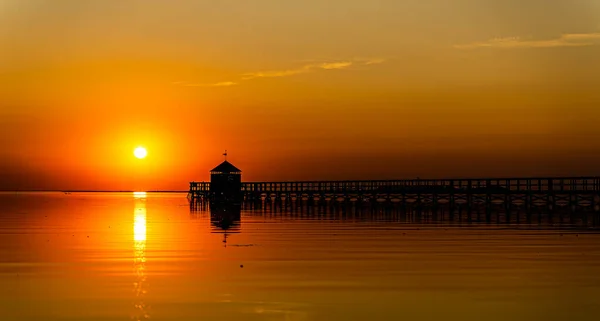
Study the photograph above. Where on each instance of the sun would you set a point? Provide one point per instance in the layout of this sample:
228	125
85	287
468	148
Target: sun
140	153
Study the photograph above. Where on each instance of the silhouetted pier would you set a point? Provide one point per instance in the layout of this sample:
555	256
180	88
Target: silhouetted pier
551	192
508	200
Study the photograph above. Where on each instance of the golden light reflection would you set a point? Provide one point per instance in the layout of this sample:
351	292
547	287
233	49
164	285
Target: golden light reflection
139	245
139	195
139	224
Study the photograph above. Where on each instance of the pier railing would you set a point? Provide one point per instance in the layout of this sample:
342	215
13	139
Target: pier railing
483	185
199	187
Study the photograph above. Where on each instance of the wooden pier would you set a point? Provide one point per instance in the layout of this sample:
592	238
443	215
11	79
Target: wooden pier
577	192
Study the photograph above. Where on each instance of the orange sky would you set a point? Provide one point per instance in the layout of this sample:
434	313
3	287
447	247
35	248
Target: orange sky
295	90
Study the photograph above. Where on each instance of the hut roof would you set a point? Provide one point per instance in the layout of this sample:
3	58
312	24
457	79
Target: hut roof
226	167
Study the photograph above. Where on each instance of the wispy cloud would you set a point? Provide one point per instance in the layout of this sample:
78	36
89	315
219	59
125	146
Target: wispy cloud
374	61
335	65
308	68
313	67
218	84
566	40
275	73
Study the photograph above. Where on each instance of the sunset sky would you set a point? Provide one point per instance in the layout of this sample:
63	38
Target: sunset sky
295	90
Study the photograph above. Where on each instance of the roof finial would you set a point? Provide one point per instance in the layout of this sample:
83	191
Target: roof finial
225	154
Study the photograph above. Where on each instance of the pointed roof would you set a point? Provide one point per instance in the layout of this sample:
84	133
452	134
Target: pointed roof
226	167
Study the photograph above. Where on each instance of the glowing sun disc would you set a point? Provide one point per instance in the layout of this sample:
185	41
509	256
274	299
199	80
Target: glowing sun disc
140	152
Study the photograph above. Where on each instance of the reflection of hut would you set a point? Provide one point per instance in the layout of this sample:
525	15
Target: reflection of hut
226	183
225	218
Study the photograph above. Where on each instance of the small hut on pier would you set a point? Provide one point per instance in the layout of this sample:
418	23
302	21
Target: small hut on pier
226	183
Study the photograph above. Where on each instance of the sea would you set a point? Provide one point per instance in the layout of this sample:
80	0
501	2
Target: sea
150	256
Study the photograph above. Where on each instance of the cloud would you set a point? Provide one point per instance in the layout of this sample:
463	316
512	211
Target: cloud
335	65
218	84
373	61
275	73
308	68
313	67
566	40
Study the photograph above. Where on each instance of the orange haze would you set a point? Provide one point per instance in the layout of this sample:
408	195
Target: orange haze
297	90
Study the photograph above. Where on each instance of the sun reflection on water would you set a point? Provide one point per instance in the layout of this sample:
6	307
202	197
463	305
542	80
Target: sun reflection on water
139	245
139	225
139	195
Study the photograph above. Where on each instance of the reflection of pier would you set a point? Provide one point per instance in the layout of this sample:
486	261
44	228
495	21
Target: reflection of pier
225	219
440	214
228	222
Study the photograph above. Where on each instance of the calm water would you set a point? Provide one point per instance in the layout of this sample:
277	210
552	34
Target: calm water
124	256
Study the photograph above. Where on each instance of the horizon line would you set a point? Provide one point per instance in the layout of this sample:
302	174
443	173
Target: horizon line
91	191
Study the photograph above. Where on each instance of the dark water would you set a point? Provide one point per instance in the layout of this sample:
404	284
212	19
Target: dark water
124	256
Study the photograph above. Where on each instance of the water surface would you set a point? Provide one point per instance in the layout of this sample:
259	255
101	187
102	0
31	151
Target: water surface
86	256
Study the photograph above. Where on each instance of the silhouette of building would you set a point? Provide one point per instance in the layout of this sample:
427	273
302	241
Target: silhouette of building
226	183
